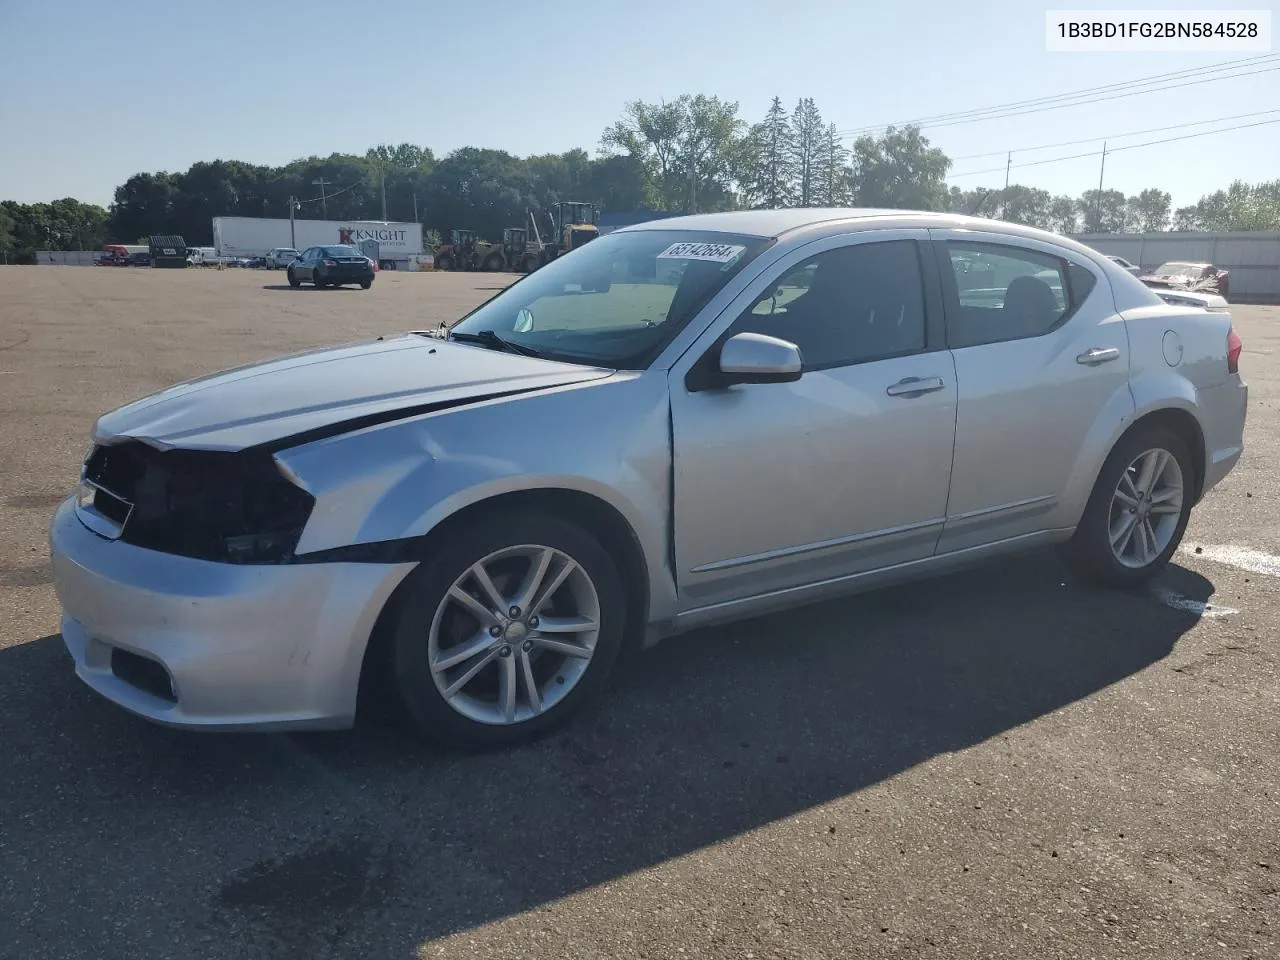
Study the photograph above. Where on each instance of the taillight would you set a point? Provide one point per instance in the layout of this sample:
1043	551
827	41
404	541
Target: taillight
330	263
1234	346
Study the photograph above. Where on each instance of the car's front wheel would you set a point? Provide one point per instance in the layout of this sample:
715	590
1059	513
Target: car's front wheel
1138	510
293	281
507	630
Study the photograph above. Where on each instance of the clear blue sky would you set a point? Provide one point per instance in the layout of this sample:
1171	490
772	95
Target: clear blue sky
100	90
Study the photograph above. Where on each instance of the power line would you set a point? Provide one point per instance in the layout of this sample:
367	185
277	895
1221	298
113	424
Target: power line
329	195
1115	96
1116	136
1087	91
1111	150
1043	104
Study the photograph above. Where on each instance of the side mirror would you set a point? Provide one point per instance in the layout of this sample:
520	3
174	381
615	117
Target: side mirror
757	358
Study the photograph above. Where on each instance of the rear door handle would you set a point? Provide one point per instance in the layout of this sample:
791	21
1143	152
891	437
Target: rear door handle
914	386
1098	355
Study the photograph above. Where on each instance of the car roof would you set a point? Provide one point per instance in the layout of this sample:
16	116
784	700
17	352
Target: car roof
763	223
817	221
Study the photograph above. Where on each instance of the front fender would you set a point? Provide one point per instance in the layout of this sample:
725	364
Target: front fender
609	439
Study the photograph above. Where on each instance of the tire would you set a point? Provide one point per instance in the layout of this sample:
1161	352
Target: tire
1089	551
366	284
530	264
493	264
444	263
427	620
319	284
293	281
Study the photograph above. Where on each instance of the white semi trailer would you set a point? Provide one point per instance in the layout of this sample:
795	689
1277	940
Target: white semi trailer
396	243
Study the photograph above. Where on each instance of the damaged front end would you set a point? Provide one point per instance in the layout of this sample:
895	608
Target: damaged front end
226	507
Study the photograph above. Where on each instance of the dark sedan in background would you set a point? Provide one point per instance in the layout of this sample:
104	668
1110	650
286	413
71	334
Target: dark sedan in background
331	267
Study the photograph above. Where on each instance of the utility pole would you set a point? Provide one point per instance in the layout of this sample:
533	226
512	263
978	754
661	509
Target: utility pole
293	238
1004	197
1097	207
415	207
324	201
384	192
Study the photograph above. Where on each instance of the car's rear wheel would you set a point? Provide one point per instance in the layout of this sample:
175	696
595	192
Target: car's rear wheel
1138	510
366	284
508	630
318	280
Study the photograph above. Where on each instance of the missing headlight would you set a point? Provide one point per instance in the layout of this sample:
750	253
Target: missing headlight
209	505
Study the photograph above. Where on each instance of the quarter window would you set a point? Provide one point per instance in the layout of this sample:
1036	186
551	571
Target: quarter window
1010	293
849	305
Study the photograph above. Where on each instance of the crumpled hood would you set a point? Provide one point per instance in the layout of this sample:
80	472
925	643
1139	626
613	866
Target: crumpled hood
321	390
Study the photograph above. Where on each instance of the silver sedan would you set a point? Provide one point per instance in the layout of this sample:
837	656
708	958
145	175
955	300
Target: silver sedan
681	423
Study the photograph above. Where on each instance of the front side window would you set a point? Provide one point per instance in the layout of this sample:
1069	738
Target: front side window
616	301
1010	293
849	305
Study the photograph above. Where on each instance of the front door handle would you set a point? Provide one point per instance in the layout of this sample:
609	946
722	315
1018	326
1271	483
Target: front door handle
1098	355
914	386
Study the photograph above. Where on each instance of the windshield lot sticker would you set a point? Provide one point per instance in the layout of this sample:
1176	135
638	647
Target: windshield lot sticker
711	252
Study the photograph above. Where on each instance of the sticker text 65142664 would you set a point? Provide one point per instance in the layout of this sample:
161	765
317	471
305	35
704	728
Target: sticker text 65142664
713	252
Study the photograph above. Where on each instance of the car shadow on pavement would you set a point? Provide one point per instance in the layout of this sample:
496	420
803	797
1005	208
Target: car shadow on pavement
304	843
307	287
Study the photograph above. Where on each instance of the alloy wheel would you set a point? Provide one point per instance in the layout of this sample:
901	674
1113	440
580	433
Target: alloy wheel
514	634
1146	508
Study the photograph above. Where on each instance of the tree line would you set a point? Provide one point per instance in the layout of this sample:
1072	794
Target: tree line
693	154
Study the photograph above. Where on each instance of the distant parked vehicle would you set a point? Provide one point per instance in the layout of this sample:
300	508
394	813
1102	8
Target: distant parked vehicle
139	260
281	257
117	255
1122	262
1187	275
332	267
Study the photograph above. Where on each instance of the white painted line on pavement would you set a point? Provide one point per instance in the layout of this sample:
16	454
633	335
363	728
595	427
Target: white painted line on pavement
1243	558
1176	601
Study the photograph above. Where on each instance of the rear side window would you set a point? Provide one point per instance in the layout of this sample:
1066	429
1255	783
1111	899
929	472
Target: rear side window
1011	293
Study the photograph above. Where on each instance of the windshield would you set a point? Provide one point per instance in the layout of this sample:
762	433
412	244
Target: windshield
618	300
1178	268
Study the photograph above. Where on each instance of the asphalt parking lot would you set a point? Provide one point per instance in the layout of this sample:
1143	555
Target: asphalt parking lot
998	764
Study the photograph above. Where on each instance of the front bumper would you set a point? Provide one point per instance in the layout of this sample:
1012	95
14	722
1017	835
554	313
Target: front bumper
243	647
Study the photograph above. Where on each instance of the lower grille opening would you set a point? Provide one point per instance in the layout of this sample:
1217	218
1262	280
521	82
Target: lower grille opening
143	673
